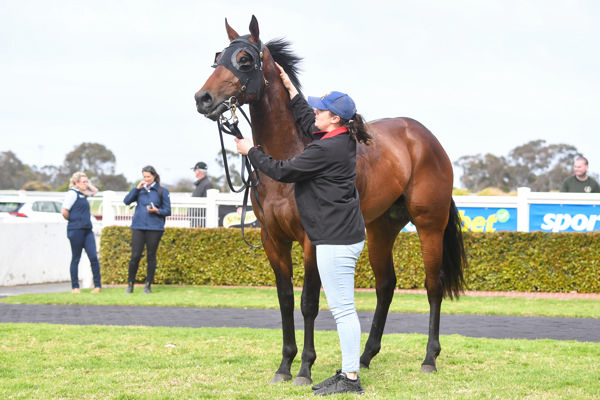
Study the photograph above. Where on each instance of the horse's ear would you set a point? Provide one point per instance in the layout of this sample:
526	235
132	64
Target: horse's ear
255	37
231	32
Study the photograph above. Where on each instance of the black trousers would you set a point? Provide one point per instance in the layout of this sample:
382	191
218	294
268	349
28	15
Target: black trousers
139	239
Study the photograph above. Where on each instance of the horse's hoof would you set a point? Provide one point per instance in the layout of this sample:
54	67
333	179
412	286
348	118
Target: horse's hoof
428	369
302	381
278	378
364	366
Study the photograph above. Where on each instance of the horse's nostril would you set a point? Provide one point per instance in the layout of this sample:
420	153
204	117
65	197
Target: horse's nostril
204	99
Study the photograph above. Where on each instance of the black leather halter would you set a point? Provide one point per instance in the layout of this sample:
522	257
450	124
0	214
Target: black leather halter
250	74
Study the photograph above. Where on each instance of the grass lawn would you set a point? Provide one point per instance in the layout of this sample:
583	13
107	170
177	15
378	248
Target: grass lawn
46	361
42	361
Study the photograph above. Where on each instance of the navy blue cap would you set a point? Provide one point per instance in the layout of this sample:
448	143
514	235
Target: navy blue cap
337	102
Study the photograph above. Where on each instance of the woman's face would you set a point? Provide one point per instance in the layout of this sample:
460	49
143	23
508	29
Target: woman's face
82	184
148	178
325	120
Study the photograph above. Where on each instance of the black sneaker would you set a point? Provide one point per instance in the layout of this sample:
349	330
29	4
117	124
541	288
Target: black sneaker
328	381
341	385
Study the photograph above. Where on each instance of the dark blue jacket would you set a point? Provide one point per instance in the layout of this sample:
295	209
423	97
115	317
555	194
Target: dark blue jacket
79	214
144	220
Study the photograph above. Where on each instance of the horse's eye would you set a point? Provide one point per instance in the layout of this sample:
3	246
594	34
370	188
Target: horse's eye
242	61
245	64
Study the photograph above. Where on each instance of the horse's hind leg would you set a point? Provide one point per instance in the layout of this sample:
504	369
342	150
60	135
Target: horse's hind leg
432	250
381	235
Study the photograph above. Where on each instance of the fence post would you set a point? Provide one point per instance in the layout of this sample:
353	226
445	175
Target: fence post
212	209
523	209
108	211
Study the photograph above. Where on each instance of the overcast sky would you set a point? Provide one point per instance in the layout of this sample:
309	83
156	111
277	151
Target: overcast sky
483	76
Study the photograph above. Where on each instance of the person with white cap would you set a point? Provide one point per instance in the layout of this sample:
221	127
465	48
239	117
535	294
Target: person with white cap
324	188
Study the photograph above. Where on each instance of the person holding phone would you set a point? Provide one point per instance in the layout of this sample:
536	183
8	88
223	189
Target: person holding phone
76	210
148	224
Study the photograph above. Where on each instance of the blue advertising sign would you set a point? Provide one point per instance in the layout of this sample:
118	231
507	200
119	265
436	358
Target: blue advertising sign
564	218
483	219
478	219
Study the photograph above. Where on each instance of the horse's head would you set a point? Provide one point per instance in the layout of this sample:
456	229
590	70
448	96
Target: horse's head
237	76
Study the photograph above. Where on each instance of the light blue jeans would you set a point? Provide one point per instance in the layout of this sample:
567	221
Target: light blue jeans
337	264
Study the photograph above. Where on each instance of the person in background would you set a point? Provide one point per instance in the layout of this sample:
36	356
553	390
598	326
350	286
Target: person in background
148	224
76	210
323	176
580	182
202	184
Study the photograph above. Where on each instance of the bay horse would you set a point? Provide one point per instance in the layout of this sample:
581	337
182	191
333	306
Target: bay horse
403	176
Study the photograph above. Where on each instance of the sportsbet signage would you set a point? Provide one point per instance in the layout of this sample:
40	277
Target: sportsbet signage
542	217
529	212
488	219
564	218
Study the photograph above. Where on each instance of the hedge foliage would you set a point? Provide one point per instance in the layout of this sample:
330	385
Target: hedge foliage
499	261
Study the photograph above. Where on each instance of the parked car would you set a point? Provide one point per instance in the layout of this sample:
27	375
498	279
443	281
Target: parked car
34	209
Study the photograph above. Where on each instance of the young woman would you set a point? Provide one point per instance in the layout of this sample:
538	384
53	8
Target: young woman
148	225
329	207
76	210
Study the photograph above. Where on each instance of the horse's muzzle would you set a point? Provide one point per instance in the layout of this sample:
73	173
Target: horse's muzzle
206	105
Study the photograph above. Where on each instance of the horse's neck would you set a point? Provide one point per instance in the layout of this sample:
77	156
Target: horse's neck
273	123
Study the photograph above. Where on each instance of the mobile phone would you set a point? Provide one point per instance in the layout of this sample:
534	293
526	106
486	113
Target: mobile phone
151	205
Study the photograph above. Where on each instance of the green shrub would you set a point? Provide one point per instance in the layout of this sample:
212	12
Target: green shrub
499	261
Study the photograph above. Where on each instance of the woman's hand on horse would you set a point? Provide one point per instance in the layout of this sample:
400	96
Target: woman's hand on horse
243	145
287	82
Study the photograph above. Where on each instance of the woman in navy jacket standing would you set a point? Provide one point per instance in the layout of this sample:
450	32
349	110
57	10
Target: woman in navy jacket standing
76	210
148	225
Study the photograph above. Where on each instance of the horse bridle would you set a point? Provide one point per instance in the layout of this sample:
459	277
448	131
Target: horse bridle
250	75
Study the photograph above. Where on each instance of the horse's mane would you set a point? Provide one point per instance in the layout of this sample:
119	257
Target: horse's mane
283	55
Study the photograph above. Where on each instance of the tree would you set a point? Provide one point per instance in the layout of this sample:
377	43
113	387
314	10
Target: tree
37	186
13	173
97	162
220	182
113	182
480	172
542	167
184	185
90	157
535	165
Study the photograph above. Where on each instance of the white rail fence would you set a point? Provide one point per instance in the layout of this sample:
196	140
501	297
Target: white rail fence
186	211
528	211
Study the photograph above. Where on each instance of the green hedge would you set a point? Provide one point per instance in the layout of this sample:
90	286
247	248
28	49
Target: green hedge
500	261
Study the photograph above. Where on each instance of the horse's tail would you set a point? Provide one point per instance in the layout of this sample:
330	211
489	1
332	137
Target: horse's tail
454	261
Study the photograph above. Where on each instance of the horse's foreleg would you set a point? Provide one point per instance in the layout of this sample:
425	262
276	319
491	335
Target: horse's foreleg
310	309
280	258
432	249
381	234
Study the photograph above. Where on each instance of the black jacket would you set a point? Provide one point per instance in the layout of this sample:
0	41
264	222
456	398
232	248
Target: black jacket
324	175
202	185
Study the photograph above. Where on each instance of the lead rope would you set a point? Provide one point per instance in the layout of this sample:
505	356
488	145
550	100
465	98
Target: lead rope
231	128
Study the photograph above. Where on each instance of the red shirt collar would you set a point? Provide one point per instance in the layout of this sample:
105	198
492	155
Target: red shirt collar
332	133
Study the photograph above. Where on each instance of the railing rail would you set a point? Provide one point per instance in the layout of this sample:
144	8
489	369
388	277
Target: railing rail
528	211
